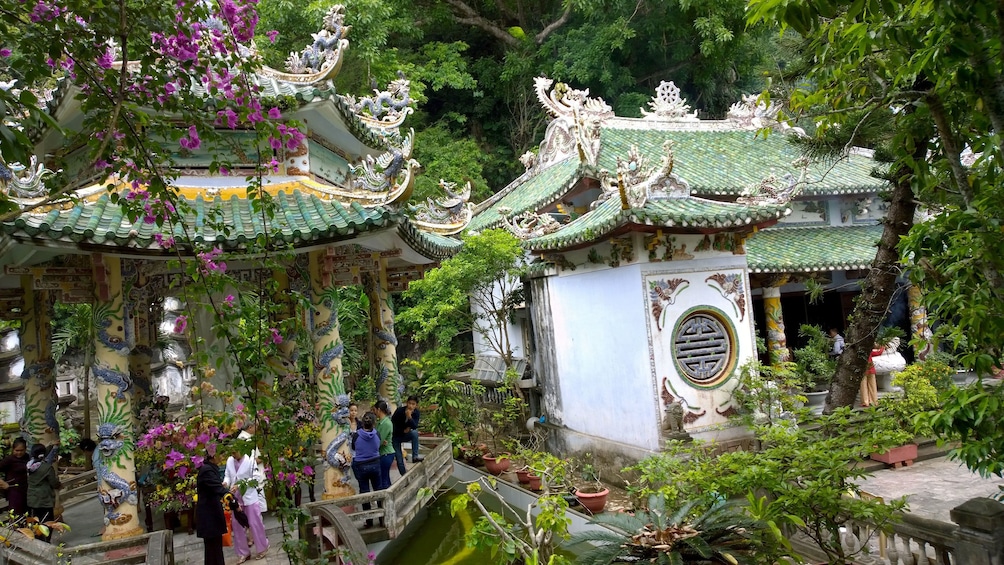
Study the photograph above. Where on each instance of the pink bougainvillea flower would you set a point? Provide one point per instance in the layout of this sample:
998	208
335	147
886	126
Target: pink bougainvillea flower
180	323
272	35
276	336
274	114
229	301
308	470
6	52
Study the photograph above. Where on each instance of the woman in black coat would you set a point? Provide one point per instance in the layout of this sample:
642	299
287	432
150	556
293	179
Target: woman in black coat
210	522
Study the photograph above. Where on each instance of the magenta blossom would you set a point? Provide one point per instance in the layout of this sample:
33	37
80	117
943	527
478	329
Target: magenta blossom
180	323
229	301
272	35
6	52
276	336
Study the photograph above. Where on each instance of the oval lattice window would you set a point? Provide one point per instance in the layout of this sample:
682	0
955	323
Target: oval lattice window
704	347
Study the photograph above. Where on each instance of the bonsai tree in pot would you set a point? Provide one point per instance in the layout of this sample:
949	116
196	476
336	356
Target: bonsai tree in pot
814	365
904	412
499	424
592	494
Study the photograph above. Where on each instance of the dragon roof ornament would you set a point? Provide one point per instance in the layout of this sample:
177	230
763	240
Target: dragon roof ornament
24	185
445	216
392	172
564	101
576	127
527	225
322	59
385	109
636	183
753	113
772	190
667	105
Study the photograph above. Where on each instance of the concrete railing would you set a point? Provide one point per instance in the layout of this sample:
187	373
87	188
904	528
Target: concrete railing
155	548
396	506
974	537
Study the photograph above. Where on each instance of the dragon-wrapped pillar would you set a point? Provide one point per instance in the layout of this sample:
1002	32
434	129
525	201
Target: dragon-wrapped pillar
918	322
384	340
113	459
327	365
777	343
39	423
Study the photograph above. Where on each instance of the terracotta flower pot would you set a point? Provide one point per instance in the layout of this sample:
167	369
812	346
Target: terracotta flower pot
897	457
594	502
533	482
523	476
496	465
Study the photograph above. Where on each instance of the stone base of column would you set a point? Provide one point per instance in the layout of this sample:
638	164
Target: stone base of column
109	536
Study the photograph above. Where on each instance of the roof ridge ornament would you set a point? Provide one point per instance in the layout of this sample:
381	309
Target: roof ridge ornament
445	216
770	190
667	105
527	225
636	183
576	124
322	59
753	113
564	101
392	172
20	183
386	109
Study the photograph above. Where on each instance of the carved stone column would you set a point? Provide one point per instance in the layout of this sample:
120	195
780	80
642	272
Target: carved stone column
384	340
777	343
39	423
327	364
918	322
113	459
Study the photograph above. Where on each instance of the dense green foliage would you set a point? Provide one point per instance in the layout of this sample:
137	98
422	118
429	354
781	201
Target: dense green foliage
472	64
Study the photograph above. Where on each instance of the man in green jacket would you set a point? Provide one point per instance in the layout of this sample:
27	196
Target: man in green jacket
385	428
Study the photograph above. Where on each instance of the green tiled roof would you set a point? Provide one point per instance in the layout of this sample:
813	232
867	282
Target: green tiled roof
828	248
299	217
533	193
725	162
431	245
692	213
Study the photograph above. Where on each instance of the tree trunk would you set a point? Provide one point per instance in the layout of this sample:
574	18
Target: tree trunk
871	306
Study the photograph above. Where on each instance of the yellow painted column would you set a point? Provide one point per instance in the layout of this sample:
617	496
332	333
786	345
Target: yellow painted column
113	459
327	365
918	322
39	423
384	340
777	343
141	355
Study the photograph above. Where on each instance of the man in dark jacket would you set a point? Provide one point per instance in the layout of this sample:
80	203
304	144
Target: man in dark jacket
405	421
210	522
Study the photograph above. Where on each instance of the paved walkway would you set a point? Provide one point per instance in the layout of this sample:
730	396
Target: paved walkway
932	487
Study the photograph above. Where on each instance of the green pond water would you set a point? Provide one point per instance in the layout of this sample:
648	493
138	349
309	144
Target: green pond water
439	539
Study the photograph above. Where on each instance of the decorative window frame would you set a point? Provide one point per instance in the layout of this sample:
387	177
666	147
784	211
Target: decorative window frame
730	330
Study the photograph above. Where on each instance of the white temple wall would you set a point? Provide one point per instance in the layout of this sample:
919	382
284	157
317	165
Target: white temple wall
482	346
601	357
615	367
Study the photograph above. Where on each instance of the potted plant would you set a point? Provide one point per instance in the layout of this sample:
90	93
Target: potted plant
899	412
498	423
815	366
592	495
550	471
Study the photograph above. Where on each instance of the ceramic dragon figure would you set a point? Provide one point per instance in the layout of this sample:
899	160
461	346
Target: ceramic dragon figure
118	490
341	416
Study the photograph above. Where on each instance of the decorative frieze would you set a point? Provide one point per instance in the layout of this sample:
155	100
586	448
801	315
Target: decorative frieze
668	105
445	216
